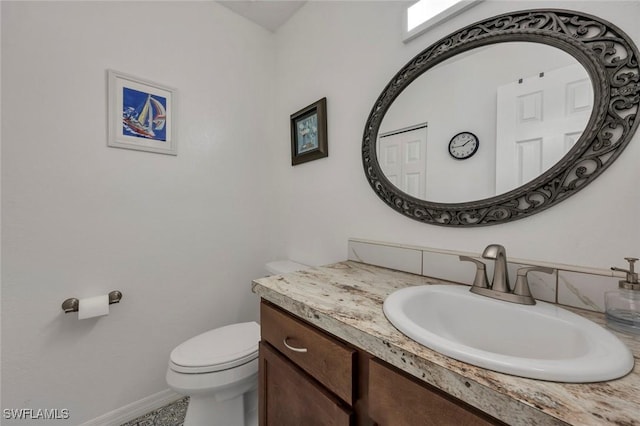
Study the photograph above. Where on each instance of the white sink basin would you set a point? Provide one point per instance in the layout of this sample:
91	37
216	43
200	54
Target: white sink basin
542	341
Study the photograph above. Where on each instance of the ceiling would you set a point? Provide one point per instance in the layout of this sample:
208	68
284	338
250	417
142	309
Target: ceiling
270	14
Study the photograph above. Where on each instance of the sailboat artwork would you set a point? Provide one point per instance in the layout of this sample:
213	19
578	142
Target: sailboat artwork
144	115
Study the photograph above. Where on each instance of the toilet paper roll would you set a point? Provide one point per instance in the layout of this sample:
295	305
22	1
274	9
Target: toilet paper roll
93	307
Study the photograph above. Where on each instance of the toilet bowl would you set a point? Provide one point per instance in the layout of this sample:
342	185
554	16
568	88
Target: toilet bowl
218	370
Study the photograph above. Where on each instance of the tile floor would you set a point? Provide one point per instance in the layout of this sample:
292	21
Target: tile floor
169	415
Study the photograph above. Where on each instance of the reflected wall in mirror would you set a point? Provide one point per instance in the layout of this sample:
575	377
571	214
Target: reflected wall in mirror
527	112
551	94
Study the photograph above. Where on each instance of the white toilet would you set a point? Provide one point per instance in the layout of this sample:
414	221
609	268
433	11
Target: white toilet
218	370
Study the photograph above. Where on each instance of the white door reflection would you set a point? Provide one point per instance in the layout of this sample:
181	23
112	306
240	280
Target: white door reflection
402	158
539	119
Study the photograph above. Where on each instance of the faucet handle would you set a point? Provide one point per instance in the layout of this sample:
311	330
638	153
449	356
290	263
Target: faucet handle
522	283
480	280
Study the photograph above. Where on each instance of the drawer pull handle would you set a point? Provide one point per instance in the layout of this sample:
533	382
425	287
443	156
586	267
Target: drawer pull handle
292	348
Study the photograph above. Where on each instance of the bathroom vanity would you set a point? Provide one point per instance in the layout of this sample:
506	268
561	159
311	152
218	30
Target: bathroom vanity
329	356
325	381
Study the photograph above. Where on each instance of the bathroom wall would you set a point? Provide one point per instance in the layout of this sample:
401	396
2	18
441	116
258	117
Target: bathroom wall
348	52
181	237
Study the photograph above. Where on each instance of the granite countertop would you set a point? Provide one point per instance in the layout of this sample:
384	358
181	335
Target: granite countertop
345	299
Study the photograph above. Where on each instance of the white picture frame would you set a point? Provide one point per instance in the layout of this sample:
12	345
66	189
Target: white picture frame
141	114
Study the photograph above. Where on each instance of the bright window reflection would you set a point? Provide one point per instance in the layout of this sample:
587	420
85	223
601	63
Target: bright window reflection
424	14
424	10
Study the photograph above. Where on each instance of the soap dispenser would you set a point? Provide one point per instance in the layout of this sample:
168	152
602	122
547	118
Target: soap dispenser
622	306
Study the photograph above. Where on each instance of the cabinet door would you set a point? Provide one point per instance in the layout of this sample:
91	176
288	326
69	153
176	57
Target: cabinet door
399	400
289	397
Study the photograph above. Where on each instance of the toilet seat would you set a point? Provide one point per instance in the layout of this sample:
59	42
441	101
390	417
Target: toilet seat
217	350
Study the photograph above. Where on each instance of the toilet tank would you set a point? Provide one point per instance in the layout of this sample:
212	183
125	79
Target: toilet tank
284	266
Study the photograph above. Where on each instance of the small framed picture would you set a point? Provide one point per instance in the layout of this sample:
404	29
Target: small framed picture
141	114
309	133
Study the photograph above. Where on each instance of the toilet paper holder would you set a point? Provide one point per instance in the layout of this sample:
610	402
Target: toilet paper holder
73	304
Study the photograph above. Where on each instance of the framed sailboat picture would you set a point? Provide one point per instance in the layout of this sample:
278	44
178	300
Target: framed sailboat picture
141	114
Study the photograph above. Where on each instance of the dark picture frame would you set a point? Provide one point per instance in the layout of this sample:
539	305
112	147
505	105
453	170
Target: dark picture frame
309	133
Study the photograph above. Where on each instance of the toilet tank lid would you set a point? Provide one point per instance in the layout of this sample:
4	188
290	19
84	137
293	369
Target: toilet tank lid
222	345
284	266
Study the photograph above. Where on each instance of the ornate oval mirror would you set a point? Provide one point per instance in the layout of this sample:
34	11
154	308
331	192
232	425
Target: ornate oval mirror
545	99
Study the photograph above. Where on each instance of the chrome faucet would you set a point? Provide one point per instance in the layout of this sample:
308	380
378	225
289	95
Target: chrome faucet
500	288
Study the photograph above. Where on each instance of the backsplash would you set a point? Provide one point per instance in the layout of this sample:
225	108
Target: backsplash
570	285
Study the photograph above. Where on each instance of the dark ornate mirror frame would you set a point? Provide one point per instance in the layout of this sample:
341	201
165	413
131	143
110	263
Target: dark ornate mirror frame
610	58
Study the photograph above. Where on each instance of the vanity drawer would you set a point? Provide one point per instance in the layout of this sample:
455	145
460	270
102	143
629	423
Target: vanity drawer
320	355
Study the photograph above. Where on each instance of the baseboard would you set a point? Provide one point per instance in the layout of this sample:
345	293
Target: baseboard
135	409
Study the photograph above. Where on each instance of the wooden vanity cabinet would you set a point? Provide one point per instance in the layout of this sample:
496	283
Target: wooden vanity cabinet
288	397
398	399
334	384
305	375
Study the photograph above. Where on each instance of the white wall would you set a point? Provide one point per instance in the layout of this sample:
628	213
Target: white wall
348	52
181	237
